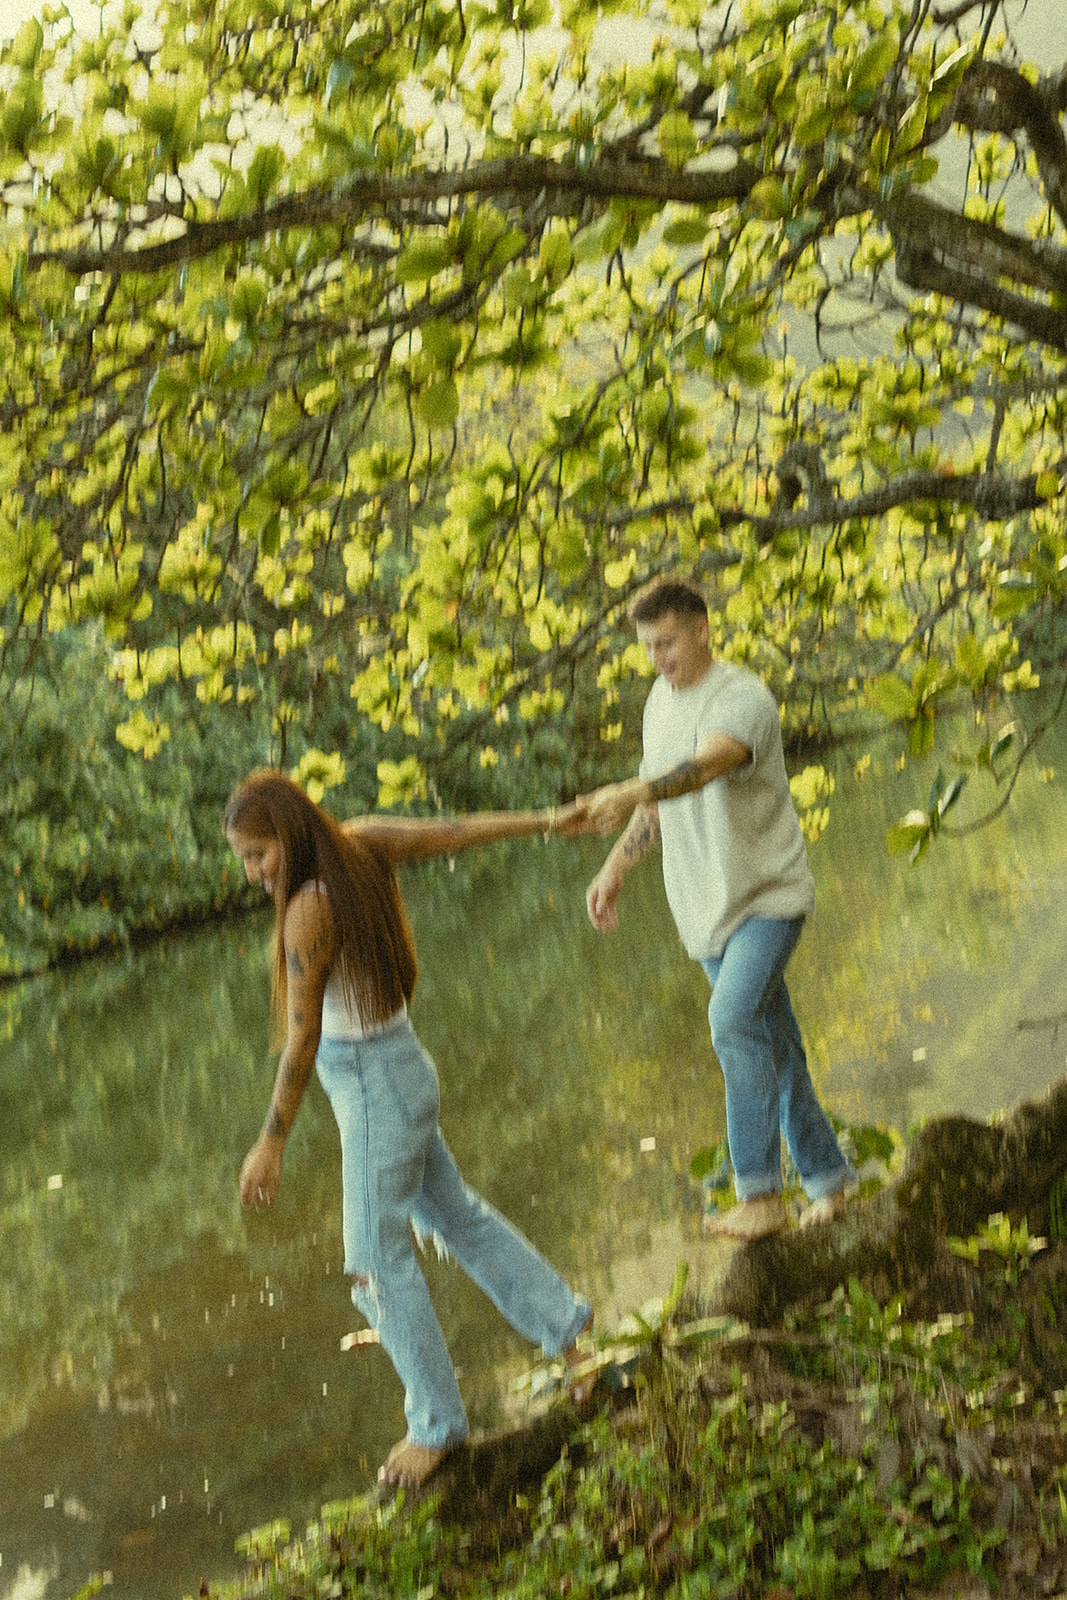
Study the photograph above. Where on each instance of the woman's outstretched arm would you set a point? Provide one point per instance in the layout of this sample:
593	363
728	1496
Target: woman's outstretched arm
418	838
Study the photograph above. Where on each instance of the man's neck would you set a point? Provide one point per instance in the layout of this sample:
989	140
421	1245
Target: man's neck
700	672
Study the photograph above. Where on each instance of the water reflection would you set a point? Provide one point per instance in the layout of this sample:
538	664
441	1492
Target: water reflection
172	1372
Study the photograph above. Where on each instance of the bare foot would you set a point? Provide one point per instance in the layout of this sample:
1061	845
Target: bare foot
749	1220
583	1378
826	1209
408	1465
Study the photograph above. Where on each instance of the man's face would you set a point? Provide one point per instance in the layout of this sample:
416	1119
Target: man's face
677	647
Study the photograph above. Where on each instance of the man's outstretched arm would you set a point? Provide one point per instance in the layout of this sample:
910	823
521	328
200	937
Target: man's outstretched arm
608	808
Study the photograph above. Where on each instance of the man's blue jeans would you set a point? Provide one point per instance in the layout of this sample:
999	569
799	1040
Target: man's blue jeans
399	1176
769	1093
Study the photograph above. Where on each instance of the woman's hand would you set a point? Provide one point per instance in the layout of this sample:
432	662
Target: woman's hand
570	820
607	809
261	1174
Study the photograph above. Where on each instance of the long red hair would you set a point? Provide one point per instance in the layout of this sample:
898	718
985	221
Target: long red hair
376	949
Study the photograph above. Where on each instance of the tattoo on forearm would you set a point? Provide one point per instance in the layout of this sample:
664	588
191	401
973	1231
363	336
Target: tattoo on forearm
641	835
682	779
276	1128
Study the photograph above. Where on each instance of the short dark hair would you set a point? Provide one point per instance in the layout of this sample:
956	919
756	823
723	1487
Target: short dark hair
665	595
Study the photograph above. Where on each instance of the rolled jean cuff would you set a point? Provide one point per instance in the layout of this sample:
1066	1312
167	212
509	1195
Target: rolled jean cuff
756	1188
841	1178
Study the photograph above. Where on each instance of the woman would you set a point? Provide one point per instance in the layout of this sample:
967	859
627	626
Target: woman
344	973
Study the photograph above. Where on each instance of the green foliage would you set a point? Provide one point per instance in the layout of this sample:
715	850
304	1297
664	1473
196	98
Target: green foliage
913	835
1057	1225
1012	1245
98	843
717	1480
372	360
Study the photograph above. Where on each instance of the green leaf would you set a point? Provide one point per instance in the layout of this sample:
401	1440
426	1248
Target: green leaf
441	342
909	835
1015	595
676	138
814	123
686	231
338	78
770	197
873	63
554	256
29	41
438	404
264	173
423	259
911	127
890	695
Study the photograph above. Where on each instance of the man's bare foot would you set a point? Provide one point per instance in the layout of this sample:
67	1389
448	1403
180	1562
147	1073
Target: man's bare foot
826	1209
408	1465
583	1375
749	1220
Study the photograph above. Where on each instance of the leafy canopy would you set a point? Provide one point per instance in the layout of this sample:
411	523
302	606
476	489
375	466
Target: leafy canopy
388	345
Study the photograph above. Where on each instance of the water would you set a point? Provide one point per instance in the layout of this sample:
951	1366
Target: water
171	1369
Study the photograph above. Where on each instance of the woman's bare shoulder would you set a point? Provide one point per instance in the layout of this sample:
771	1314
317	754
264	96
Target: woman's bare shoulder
308	918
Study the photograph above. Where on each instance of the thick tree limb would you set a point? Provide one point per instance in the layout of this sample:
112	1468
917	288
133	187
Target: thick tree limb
994	499
512	180
995	98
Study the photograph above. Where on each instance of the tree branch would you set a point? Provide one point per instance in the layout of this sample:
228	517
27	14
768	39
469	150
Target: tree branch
996	98
510	179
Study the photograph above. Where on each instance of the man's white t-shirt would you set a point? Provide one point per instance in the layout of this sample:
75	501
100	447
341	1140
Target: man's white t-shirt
734	849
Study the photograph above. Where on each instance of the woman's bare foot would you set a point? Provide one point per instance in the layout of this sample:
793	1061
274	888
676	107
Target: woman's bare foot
749	1220
826	1209
408	1465
583	1376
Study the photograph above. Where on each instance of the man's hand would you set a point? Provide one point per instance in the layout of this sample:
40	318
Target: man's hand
607	809
573	819
600	899
261	1174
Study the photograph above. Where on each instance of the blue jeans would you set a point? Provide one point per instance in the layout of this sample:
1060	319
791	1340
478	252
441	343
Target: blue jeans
769	1093
399	1176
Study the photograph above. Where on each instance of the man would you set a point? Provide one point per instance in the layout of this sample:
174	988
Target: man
713	788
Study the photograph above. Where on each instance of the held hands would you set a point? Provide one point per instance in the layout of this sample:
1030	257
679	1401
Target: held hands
603	811
261	1174
607	809
571	820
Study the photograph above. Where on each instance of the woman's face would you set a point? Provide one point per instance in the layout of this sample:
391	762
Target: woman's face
260	855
